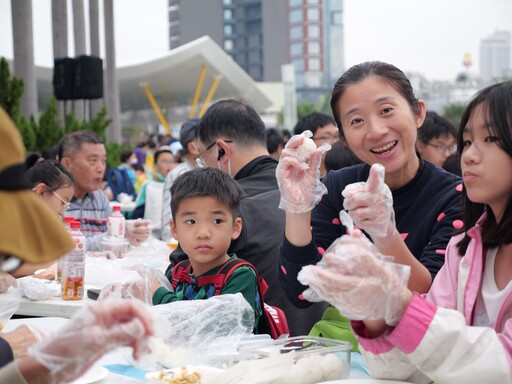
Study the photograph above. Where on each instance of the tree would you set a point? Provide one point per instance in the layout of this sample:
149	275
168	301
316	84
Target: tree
453	113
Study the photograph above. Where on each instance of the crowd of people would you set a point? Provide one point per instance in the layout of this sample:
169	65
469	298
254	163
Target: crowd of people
394	217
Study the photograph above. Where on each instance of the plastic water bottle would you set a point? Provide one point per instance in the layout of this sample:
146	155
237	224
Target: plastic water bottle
73	266
67	223
116	223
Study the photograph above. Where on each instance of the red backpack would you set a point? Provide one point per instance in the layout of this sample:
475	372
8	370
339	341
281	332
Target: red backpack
273	322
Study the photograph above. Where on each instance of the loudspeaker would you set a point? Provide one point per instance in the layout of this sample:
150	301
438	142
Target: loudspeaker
78	78
63	69
88	78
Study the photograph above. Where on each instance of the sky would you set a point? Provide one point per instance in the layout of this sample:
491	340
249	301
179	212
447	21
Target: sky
425	36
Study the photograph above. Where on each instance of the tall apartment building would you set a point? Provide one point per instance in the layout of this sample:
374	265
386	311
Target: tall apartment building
262	35
495	60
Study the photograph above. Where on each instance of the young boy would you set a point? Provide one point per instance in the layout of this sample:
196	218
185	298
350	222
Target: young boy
204	207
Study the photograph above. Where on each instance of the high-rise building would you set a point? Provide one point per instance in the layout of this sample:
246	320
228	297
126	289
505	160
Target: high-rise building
495	52
262	35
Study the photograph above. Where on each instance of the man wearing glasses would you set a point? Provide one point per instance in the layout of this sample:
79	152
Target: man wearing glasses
324	131
231	137
436	139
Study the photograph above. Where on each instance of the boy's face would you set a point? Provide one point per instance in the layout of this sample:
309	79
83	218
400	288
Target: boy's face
204	228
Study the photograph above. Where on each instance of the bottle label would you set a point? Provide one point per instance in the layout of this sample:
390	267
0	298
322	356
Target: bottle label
116	226
72	268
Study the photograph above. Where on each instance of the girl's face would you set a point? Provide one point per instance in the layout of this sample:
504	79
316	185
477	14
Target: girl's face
380	127
486	168
57	200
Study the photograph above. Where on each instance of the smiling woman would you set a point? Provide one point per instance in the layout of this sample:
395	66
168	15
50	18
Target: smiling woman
378	115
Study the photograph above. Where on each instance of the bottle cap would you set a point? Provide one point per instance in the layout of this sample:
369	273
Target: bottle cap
116	208
75	225
68	219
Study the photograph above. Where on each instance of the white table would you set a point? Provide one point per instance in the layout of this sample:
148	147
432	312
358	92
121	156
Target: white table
98	273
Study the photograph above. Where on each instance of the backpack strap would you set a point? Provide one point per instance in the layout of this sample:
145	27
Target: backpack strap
180	273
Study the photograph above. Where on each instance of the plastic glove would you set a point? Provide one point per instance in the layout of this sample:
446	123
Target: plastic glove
23	337
6	281
49	273
299	179
137	231
370	205
354	279
142	288
93	331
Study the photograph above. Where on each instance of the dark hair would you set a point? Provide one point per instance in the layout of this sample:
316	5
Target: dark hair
286	134
312	122
340	156
435	126
72	142
274	139
234	120
50	172
138	167
206	182
160	151
387	72
452	164
51	153
125	155
497	102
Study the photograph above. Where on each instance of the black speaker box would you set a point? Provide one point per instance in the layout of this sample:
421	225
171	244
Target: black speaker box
63	69
78	78
88	79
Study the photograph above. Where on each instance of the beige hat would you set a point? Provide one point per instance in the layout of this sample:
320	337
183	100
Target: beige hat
29	230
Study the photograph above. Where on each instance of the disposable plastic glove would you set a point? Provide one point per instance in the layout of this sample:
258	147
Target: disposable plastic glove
6	281
358	282
370	205
142	288
93	331
137	231
23	337
299	178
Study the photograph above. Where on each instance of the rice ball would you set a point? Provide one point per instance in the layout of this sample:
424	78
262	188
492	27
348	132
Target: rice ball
306	149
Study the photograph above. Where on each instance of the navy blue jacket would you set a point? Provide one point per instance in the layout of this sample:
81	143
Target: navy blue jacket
427	214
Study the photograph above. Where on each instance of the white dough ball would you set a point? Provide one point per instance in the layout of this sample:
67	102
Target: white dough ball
306	149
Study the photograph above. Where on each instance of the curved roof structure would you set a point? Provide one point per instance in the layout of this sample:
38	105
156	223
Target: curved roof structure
173	77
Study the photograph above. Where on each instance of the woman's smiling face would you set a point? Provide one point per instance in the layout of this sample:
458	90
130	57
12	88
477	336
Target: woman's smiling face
379	126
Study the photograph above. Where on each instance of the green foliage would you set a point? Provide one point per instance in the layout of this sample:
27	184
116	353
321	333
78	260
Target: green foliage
11	90
453	113
305	108
114	151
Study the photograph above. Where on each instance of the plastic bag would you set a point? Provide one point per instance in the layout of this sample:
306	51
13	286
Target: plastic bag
200	331
9	303
39	289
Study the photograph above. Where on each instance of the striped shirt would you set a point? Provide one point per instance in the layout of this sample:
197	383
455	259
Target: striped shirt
92	211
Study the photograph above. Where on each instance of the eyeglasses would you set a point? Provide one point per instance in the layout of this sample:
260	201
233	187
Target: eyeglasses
64	204
330	139
199	159
166	162
441	148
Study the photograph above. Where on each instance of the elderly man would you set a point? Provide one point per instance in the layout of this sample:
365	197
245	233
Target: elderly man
84	154
30	232
231	137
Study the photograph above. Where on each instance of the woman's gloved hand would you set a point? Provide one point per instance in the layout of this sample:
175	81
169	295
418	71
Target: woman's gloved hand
370	205
358	281
298	174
